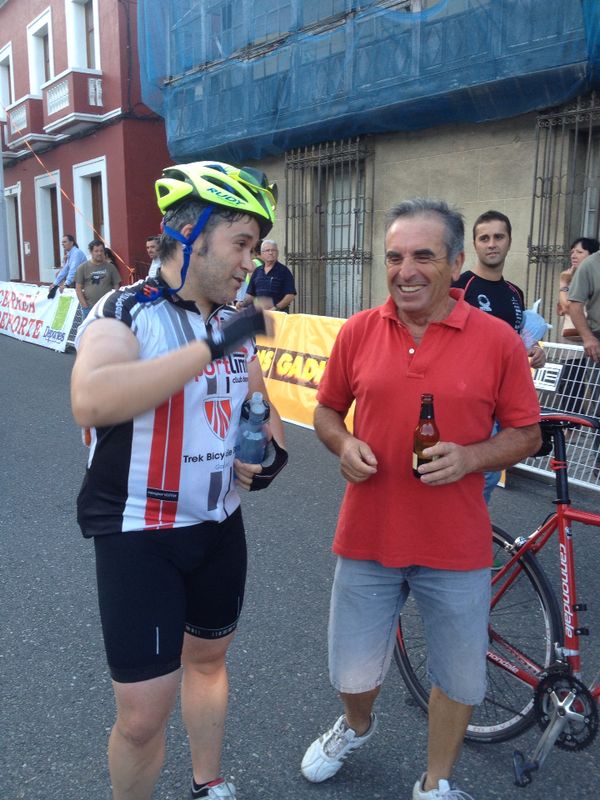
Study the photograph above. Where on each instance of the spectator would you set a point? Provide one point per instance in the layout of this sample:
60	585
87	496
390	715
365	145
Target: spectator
430	535
486	288
273	285
580	249
573	378
95	278
584	310
72	258
152	246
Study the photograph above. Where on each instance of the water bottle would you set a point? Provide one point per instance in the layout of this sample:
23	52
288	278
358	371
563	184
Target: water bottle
252	440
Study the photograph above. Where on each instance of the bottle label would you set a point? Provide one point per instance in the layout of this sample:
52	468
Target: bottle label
418	460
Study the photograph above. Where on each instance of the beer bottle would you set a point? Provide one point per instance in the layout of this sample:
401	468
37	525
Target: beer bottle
426	433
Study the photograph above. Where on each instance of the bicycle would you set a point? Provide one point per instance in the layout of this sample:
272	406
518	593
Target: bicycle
534	661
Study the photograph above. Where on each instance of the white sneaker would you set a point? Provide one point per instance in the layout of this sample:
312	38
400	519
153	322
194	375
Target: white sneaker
326	754
222	790
443	792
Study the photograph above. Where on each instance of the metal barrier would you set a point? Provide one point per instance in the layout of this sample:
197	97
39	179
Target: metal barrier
73	332
570	382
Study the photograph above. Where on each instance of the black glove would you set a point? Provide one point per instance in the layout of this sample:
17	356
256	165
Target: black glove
274	461
52	292
235	330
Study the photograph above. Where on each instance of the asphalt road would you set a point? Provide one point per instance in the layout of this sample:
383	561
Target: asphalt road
56	699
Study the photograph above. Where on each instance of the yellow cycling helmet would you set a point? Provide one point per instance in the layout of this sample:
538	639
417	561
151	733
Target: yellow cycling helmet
219	184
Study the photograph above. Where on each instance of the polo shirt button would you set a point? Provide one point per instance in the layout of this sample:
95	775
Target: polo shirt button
411	350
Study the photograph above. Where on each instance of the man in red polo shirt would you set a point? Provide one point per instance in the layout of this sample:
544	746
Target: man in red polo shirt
430	535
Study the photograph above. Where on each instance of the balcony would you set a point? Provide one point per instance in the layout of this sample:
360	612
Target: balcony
7	155
24	124
72	101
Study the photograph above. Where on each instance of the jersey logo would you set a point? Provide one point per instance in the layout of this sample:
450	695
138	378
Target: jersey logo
484	303
218	415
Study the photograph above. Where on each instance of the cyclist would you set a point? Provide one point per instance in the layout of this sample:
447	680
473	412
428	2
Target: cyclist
431	535
162	370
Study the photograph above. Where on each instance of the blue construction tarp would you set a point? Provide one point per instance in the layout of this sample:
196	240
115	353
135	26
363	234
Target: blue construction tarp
240	79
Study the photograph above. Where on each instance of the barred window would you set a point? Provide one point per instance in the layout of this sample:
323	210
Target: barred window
329	212
566	196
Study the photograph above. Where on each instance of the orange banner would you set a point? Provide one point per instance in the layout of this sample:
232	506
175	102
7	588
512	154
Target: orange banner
294	361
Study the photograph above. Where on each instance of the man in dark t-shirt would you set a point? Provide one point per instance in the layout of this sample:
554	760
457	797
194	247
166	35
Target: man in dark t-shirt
484	285
486	288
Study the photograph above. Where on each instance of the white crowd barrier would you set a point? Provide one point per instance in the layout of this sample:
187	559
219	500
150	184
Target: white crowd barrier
570	382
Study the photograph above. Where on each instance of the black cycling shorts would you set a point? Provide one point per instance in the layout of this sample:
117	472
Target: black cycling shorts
155	585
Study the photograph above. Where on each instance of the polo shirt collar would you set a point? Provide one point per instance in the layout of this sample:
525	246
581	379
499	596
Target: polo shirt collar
457	318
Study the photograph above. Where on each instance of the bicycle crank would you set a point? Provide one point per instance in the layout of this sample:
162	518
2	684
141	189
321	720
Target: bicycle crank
567	711
568	715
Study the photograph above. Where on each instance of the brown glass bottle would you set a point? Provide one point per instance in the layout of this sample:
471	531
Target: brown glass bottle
426	433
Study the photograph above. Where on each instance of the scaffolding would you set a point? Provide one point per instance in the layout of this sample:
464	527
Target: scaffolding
240	79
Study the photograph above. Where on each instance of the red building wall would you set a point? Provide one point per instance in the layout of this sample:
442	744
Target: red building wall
132	140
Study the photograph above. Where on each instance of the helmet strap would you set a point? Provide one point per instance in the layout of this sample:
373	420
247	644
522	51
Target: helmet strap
188	242
150	293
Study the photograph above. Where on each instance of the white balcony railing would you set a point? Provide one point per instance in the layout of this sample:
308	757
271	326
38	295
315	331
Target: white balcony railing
95	91
18	119
57	97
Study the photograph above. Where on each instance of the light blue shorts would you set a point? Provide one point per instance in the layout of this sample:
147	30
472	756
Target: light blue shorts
366	601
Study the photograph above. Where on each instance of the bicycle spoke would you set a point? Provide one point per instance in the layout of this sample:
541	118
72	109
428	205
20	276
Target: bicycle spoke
524	625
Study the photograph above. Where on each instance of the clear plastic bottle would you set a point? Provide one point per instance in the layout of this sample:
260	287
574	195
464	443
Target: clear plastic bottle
252	440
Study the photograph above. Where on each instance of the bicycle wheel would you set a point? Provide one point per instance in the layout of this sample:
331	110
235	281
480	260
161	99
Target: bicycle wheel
526	618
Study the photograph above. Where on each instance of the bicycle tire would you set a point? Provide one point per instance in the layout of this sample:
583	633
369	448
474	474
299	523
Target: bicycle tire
527	616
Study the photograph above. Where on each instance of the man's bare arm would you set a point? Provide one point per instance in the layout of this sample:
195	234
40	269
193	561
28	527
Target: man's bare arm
591	345
111	384
454	461
357	460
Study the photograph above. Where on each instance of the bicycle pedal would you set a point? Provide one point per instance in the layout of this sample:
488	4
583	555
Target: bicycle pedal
523	769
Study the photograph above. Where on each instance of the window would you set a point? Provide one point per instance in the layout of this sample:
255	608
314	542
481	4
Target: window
7	87
14	232
591	198
224	29
97	203
49	224
91	197
90	35
83	44
329	191
566	199
40	52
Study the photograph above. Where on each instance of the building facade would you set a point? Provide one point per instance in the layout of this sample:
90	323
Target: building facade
80	151
353	105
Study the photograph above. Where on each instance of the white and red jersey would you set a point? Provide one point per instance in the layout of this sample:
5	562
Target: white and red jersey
172	466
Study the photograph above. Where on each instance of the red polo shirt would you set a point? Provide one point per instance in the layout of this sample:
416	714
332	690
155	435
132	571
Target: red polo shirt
477	370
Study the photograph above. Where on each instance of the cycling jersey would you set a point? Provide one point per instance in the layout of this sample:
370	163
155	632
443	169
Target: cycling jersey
171	466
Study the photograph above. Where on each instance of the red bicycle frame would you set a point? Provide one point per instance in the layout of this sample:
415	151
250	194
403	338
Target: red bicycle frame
522	667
